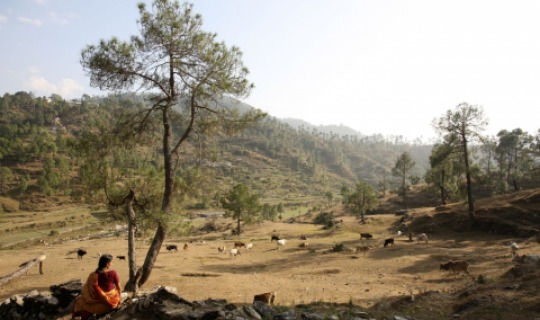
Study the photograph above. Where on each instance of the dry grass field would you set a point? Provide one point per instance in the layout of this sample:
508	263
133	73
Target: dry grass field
377	279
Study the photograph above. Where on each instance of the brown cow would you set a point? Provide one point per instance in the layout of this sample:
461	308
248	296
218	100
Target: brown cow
455	267
303	245
239	245
267	297
362	249
366	236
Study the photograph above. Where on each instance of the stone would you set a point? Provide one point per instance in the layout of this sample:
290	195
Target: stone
251	312
17	299
53	301
263	309
311	316
32	294
287	315
361	314
213	315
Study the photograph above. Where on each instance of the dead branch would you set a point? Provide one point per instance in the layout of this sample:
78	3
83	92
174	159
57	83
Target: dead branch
23	269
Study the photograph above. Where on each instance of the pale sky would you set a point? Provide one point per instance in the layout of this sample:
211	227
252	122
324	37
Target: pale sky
387	67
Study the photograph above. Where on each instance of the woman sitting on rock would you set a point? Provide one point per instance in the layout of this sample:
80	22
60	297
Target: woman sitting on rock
101	292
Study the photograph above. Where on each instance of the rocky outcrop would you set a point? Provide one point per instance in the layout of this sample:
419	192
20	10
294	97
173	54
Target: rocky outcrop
164	303
45	305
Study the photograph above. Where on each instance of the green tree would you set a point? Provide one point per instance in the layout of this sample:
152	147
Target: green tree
445	170
280	208
513	154
5	104
179	65
6	178
364	198
329	197
401	170
345	193
465	123
24	183
240	205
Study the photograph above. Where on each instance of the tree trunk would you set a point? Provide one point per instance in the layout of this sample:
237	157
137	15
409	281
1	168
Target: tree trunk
363	203
144	272
441	193
404	191
442	189
131	284
159	237
24	269
470	199
362	218
238	228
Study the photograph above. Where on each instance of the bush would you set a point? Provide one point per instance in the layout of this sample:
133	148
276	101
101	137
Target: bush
481	279
53	233
324	218
209	227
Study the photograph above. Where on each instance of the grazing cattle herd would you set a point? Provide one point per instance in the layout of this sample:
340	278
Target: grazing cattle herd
368	243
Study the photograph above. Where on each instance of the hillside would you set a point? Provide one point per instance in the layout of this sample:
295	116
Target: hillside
295	166
516	214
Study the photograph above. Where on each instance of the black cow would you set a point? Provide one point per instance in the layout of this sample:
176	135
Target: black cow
172	247
366	236
388	242
121	257
81	253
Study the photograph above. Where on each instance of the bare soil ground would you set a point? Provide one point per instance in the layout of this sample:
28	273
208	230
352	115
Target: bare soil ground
383	280
297	275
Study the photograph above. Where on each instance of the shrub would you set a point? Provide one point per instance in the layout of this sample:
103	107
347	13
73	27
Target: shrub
481	279
324	218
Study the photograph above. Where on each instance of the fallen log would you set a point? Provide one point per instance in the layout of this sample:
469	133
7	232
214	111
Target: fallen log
23	269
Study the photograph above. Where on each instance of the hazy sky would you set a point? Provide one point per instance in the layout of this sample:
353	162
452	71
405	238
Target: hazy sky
378	66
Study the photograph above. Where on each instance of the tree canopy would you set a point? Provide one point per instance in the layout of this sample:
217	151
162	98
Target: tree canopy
363	198
462	125
240	205
181	68
401	170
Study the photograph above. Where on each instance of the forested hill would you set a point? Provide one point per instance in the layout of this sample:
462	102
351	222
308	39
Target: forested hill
278	161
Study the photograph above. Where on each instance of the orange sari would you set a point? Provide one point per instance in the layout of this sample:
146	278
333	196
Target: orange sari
94	300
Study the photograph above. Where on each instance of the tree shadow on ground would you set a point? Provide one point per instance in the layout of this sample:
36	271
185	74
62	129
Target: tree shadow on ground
275	265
